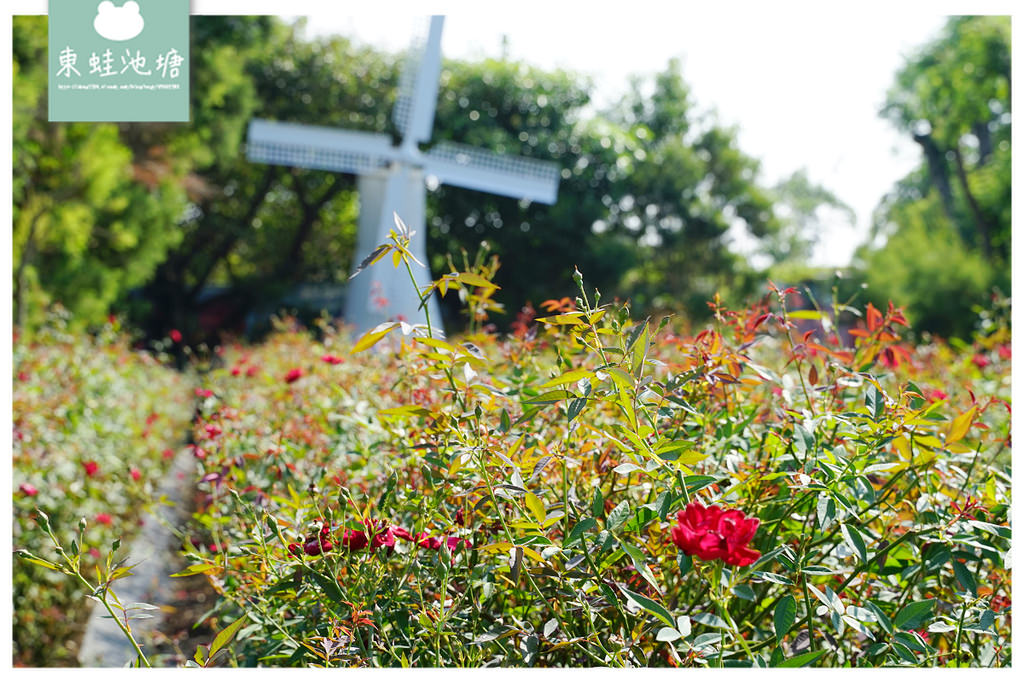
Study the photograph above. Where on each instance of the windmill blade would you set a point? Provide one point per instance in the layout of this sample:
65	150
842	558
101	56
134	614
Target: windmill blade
327	149
417	87
479	169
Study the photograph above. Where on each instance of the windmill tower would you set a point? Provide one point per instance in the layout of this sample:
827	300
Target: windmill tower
392	179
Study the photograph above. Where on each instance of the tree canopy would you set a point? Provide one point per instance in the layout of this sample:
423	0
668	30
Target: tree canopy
147	218
946	226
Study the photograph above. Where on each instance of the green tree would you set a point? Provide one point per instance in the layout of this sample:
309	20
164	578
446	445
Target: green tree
86	228
953	99
688	184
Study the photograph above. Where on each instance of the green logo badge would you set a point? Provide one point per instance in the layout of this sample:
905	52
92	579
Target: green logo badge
119	60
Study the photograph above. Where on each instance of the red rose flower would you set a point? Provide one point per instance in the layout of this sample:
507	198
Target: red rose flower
28	489
204	393
453	543
91	467
104	518
716	534
333	360
136	475
354	540
175	336
980	361
293	375
429	542
1005	352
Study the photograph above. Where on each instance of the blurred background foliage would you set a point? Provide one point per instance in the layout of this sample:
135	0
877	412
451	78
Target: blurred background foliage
148	219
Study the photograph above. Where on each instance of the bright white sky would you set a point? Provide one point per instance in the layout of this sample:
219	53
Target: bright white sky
804	89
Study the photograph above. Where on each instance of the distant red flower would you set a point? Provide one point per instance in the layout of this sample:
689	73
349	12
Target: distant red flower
236	371
197	452
94	552
136	475
28	489
204	393
252	370
91	467
427	541
293	375
23	376
212	431
453	543
175	336
980	360
104	518
333	360
716	534
1004	351
168	453
936	395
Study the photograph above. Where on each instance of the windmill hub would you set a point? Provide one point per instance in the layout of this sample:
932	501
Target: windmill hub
392	181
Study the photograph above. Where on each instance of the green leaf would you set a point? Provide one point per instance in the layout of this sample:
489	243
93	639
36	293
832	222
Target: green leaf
328	586
913	614
617	516
648	604
638	346
958	427
744	592
579	528
883	619
805	659
964	577
666	634
567	378
550	397
875	402
225	636
785	616
35	560
194	569
475	280
855	541
374	256
373	336
536	507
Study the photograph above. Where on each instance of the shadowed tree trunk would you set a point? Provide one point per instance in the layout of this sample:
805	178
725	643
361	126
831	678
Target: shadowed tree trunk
979	218
938	171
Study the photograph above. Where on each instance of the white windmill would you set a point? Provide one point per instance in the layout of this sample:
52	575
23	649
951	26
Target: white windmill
392	180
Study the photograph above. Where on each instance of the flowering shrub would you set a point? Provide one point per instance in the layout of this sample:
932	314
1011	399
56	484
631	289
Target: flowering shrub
597	491
594	490
91	419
